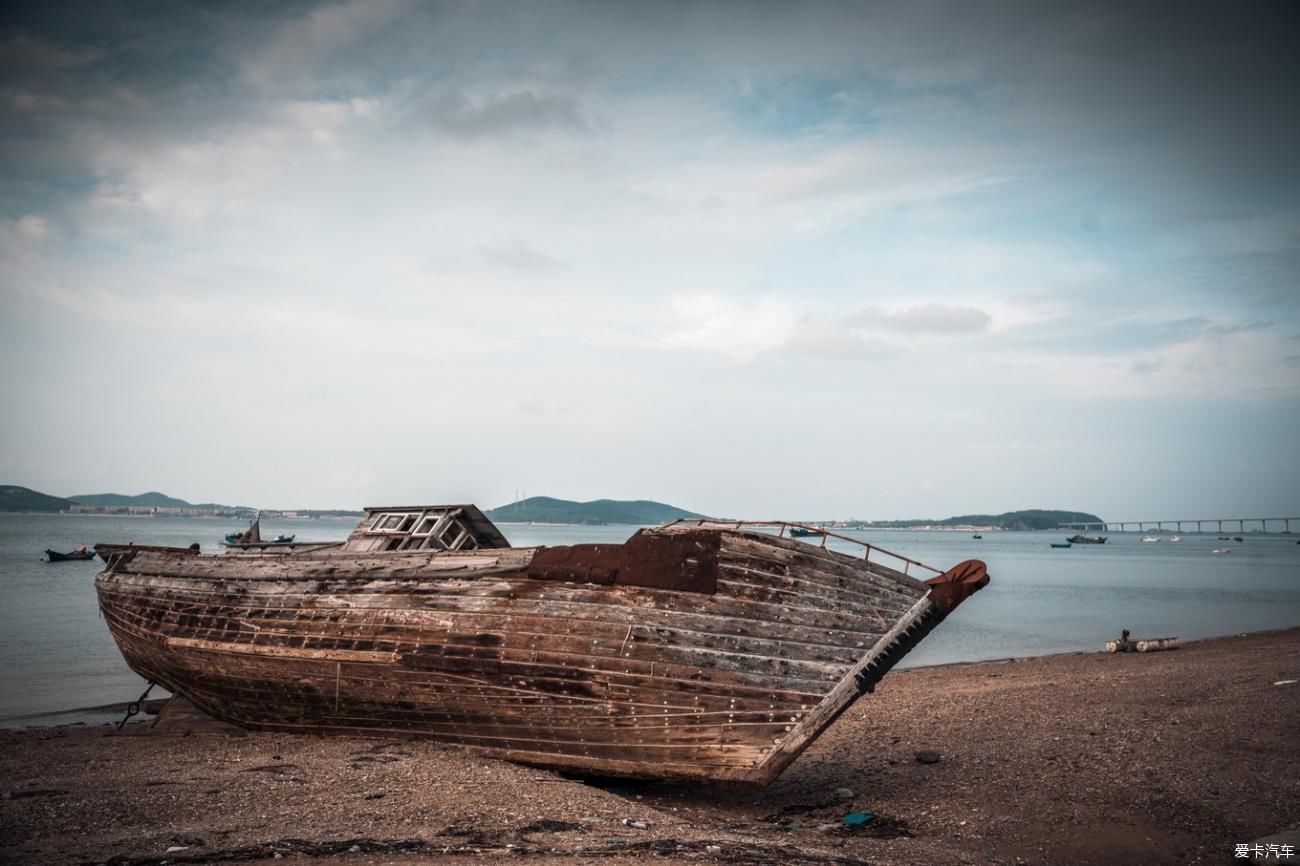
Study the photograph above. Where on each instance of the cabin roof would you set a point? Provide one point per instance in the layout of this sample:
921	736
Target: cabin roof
418	533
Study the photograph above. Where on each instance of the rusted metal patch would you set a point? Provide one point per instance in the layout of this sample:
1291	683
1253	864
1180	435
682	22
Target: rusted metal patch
682	561
579	563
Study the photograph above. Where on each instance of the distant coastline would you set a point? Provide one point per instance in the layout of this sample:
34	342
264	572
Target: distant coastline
534	510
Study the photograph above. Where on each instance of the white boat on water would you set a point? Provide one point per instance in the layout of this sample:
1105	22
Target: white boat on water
1149	539
1220	551
1176	538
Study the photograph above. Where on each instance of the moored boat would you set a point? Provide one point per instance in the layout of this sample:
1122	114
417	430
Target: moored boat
1060	544
697	650
251	538
806	532
81	553
1087	539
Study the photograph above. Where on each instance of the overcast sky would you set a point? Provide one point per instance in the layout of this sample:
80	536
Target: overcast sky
801	260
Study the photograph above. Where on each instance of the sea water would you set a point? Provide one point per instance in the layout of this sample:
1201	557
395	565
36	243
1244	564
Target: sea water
56	653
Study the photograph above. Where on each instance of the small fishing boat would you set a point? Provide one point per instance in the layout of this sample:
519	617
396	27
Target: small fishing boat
1060	544
1149	539
1087	539
1237	538
698	650
81	553
806	532
1220	551
1176	538
977	537
251	538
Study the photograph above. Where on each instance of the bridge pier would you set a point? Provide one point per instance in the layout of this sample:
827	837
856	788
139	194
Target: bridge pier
1201	525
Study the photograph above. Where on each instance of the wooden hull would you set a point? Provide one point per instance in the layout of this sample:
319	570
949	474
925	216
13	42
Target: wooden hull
529	655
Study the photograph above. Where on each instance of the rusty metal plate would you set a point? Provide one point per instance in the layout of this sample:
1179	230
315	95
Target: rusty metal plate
682	561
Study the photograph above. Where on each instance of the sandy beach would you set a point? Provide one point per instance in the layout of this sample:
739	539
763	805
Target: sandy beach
1166	758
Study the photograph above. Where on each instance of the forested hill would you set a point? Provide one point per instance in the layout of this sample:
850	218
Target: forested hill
152	499
14	498
544	509
1031	519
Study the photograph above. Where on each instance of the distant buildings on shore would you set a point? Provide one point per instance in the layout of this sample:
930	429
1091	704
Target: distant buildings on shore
227	511
166	510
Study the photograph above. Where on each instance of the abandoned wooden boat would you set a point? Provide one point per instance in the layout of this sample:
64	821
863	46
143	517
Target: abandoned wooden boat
106	551
696	650
79	554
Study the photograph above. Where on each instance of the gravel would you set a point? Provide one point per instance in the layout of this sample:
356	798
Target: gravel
1165	758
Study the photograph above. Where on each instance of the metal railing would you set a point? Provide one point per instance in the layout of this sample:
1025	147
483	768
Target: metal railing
784	525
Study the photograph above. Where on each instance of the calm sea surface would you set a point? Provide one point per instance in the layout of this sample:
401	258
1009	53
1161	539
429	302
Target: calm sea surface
56	653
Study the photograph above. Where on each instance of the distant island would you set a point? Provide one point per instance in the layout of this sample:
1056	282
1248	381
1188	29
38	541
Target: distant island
152	502
1031	519
152	499
15	498
544	509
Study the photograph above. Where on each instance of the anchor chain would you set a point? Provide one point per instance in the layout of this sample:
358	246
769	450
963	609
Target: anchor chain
134	707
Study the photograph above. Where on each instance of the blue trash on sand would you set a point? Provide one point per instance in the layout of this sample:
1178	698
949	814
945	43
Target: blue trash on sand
857	819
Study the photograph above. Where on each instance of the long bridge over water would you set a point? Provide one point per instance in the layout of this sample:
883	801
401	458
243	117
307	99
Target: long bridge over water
1281	525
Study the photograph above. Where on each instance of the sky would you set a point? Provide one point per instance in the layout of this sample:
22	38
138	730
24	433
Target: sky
757	259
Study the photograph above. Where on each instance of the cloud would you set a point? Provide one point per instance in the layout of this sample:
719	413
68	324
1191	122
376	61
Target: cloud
289	56
518	256
33	227
1084	334
518	111
923	319
835	341
736	330
1238	327
25	51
